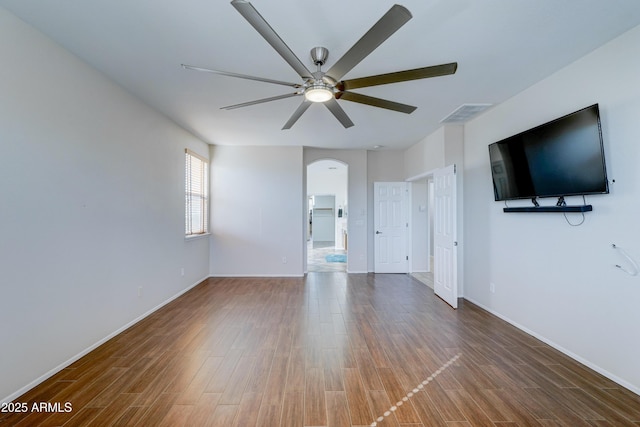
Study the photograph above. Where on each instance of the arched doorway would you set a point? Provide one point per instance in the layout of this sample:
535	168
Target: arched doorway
327	210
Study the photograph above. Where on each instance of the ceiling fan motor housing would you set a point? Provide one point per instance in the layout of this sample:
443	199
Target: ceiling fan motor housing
319	55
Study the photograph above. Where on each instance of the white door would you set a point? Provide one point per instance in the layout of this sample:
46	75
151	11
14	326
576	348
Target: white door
445	277
390	200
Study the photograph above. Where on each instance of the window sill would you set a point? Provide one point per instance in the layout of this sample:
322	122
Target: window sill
196	237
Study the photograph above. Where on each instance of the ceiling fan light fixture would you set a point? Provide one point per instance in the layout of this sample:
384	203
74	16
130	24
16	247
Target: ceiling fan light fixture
318	93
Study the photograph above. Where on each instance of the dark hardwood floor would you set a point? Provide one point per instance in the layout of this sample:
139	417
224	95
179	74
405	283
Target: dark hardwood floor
329	349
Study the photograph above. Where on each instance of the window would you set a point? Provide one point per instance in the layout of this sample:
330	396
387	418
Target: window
196	194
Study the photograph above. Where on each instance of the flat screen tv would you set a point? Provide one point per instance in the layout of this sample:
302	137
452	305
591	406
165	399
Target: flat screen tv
564	157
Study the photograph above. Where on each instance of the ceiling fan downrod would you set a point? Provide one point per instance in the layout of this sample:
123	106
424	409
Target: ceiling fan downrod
316	90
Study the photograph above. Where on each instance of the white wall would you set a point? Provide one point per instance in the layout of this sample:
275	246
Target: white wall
258	209
427	155
558	281
257	215
92	208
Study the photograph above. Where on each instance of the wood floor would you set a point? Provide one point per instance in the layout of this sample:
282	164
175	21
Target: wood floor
329	349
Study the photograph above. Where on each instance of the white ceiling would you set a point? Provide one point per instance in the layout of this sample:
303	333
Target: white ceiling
501	46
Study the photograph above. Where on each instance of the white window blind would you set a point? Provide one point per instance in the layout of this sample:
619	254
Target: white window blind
196	194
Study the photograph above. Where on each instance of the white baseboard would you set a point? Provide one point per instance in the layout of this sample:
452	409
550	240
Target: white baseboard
561	349
89	349
255	275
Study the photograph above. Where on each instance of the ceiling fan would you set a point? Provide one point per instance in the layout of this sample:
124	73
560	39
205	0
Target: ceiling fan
325	86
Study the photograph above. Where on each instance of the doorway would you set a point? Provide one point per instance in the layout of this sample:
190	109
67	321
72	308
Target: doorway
422	230
442	240
327	211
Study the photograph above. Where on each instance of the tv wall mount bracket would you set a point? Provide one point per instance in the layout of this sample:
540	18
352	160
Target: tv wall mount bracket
561	206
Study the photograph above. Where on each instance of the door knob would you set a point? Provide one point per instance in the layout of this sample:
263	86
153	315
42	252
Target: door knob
378	232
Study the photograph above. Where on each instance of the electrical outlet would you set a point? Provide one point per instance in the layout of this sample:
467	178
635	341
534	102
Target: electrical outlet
139	291
182	271
492	287
284	259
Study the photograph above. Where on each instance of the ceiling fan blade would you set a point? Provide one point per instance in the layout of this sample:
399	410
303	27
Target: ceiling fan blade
240	76
260	101
376	102
254	18
338	112
296	114
390	22
399	76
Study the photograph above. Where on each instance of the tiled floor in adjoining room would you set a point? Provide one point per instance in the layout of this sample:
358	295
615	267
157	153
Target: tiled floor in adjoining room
426	278
316	257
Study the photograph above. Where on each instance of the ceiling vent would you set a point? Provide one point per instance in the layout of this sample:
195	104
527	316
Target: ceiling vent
465	112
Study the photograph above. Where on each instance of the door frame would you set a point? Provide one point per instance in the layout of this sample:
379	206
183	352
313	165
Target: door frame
306	193
423	176
427	176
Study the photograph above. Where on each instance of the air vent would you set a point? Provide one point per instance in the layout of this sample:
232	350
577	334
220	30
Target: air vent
465	112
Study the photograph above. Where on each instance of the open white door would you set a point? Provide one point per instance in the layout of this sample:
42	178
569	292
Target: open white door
445	277
390	200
